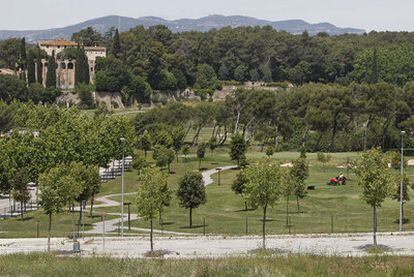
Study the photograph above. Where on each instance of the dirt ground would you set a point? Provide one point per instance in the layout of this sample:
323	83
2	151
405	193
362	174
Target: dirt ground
195	247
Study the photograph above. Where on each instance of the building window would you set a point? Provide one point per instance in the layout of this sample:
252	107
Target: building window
63	66
70	65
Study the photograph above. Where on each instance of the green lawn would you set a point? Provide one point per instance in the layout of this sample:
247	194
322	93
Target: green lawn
62	225
327	208
255	265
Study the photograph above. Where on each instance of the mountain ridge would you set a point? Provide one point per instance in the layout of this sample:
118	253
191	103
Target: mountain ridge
203	24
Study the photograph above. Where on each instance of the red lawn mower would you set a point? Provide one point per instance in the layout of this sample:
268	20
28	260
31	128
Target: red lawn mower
337	181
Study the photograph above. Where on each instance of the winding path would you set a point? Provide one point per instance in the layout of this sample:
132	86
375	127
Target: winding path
111	225
207	174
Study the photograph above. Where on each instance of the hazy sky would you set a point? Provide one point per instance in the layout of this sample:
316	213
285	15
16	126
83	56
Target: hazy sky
366	14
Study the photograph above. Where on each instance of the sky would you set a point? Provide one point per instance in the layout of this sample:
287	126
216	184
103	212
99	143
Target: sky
370	15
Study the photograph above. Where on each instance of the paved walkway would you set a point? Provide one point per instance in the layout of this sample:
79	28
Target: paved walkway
207	174
106	202
195	247
112	224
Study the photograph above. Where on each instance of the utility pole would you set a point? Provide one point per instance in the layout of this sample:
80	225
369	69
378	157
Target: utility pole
402	181
122	186
103	231
129	214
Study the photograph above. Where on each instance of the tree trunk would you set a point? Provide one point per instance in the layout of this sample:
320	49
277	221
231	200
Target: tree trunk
287	211
262	146
199	164
48	232
195	138
244	131
223	140
113	168
145	153
402	211
92	200
297	203
236	126
264	226
214	131
21	210
80	217
160	217
191	218
245	206
264	142
318	141
169	168
334	131
374	224
277	138
151	238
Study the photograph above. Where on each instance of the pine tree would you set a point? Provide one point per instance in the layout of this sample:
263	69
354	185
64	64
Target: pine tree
31	70
51	71
116	46
374	67
82	67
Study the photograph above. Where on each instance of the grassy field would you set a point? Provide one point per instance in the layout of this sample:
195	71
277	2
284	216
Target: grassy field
326	209
62	225
256	265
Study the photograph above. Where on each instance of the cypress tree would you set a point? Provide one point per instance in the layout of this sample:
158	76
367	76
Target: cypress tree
51	71
116	46
31	74
23	54
22	59
82	67
39	70
374	67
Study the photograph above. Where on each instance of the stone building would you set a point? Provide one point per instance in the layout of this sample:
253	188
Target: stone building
7	71
65	69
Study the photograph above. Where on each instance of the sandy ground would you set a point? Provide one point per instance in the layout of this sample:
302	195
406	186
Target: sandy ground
196	247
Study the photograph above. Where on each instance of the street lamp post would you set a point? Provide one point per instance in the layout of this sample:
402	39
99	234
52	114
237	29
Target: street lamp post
218	175
122	186
402	181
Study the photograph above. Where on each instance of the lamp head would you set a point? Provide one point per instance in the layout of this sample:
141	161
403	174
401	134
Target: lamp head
403	132
122	140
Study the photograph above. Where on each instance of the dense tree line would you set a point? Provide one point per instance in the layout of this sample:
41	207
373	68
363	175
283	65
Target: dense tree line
60	150
170	61
141	60
38	138
314	117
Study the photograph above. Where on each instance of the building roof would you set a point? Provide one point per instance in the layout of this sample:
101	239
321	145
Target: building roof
95	48
57	42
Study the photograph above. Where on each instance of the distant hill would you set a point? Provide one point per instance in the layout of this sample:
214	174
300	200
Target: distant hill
204	24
